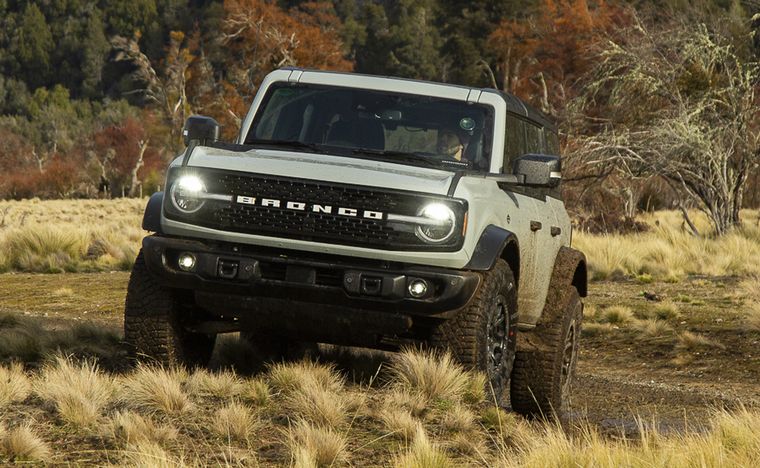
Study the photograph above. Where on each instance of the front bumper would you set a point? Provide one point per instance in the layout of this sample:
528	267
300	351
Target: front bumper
249	271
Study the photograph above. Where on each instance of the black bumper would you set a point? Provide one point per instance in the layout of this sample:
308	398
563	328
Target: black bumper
246	271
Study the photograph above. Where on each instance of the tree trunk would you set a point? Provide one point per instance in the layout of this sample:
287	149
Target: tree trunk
133	187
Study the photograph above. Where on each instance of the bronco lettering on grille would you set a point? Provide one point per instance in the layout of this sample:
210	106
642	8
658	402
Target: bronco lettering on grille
311	207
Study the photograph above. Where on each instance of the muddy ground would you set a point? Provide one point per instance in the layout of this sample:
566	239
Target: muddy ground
622	373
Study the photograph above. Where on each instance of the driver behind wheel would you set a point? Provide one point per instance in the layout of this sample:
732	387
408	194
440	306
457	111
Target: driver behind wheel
450	144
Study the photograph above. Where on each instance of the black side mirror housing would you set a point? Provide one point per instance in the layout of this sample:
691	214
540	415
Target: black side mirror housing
200	128
540	170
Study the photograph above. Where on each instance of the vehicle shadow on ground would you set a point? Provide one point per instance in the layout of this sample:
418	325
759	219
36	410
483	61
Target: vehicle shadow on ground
359	365
32	341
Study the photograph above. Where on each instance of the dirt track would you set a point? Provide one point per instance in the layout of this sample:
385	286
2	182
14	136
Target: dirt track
620	374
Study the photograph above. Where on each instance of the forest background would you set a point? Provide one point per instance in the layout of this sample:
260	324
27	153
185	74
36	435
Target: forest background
656	100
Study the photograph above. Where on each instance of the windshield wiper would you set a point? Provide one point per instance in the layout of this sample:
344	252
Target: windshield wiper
413	157
288	144
394	156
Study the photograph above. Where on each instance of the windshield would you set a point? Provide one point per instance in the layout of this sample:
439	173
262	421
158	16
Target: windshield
403	128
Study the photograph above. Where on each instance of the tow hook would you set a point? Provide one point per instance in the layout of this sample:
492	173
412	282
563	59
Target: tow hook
227	269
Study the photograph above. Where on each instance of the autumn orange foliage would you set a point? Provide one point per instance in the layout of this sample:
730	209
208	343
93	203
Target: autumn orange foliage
539	59
260	37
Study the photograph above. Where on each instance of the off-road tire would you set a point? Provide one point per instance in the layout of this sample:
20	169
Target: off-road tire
154	324
544	371
466	335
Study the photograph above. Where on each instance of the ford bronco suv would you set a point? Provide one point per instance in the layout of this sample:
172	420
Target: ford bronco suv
368	211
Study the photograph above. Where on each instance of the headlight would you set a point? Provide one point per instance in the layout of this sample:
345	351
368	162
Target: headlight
187	194
440	223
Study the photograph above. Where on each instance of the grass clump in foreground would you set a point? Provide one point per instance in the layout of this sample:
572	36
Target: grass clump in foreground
14	385
307	419
154	389
21	443
731	441
315	445
79	392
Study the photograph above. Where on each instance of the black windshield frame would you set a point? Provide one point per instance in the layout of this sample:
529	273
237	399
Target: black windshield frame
417	113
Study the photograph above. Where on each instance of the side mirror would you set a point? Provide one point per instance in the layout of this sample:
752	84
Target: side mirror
539	170
200	128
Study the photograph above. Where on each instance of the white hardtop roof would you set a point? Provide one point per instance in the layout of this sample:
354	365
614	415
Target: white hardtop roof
384	83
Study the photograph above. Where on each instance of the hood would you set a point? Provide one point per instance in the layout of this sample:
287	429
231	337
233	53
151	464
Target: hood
324	167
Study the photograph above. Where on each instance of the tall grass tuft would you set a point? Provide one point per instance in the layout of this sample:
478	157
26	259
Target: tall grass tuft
156	389
316	446
318	405
422	454
129	428
14	384
223	384
79	392
288	377
430	373
234	421
399	423
23	444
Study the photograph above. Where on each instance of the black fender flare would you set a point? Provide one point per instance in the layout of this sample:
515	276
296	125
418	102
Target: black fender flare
152	216
490	248
570	269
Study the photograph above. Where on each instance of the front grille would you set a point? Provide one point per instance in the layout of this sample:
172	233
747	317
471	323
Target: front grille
309	225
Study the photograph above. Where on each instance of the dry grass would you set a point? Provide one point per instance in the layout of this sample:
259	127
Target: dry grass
155	389
224	384
22	444
145	454
732	441
690	341
129	428
667	311
668	252
288	377
412	401
596	329
422	453
317	405
617	315
753	317
292	427
257	391
458	418
70	235
475	392
652	328
431	374
14	384
234	421
79	392
399	423
312	445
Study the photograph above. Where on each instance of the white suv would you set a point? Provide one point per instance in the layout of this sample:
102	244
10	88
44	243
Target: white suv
368	211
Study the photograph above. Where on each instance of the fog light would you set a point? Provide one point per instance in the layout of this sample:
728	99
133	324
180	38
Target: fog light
418	288
186	261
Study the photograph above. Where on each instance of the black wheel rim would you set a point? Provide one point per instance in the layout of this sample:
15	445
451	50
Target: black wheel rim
498	343
569	355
